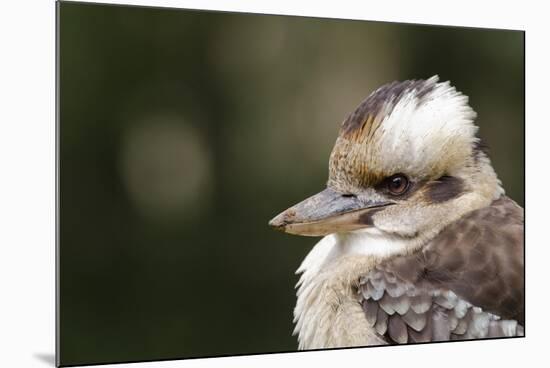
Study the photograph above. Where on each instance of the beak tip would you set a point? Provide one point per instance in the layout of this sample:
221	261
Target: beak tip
278	222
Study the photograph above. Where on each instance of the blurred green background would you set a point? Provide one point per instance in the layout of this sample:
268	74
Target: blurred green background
183	132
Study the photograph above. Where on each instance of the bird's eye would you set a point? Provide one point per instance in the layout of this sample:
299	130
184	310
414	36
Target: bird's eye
397	184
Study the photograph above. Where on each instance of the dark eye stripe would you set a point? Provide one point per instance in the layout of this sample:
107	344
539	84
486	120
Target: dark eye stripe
444	189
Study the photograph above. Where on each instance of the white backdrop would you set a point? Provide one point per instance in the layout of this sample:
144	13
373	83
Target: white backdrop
27	161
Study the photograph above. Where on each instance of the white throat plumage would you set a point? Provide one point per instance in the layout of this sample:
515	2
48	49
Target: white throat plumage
370	242
327	272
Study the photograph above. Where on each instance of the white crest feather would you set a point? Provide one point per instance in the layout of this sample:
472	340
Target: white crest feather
422	134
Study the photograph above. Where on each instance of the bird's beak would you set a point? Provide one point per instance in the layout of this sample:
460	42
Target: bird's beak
327	212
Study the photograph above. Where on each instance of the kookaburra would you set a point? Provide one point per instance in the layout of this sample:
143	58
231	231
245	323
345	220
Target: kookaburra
419	242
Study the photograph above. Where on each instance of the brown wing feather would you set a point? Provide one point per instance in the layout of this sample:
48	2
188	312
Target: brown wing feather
467	283
480	258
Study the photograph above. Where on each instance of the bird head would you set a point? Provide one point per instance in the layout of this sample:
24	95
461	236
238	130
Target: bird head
407	162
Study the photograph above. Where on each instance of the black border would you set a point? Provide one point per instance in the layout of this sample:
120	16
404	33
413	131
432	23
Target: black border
57	189
58	169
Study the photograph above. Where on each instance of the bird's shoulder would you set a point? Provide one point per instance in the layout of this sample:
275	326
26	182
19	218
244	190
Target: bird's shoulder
466	283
